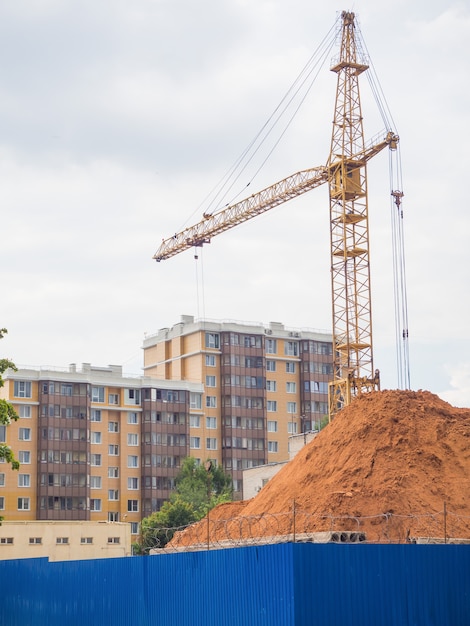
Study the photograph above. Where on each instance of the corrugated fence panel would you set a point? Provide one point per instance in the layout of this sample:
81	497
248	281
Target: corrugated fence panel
390	585
278	585
239	586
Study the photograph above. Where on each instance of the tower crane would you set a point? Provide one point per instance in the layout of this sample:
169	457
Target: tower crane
346	175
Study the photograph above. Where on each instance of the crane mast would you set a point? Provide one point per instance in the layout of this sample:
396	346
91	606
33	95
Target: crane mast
349	233
346	175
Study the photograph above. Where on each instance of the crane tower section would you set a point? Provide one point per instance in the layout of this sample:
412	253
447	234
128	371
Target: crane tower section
349	232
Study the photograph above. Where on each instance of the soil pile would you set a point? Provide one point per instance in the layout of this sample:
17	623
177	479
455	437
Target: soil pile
387	465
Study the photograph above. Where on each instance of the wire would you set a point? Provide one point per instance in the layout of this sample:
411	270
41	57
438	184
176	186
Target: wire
300	88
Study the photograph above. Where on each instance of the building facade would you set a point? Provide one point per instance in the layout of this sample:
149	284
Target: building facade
100	446
261	384
93	444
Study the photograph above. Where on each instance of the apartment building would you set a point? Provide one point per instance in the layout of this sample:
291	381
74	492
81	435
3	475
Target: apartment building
100	446
261	384
93	444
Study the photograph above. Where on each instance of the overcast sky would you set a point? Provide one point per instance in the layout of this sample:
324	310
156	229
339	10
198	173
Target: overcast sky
117	118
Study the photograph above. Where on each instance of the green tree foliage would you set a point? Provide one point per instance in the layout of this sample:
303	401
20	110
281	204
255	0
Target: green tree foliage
158	528
199	488
7	412
203	486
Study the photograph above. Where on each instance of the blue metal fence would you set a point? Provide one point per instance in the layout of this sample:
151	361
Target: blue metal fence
277	585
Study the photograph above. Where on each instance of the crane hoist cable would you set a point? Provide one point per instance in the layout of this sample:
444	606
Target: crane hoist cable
399	272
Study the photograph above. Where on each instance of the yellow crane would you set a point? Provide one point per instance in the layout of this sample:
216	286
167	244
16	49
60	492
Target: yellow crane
346	175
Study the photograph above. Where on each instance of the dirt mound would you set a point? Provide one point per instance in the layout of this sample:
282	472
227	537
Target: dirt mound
387	465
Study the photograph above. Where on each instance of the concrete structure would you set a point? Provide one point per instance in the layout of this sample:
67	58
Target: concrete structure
256	478
64	541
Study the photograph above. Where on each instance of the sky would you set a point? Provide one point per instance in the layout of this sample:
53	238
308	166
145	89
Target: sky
117	120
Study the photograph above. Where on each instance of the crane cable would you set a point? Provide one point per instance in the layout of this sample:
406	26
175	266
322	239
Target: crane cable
399	271
396	214
299	89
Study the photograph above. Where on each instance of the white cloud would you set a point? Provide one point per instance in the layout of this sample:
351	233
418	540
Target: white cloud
117	119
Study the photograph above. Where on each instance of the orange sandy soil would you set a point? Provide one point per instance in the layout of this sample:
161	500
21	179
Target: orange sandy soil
387	465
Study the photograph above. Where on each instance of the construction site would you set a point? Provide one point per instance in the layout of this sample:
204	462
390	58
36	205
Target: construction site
387	477
392	465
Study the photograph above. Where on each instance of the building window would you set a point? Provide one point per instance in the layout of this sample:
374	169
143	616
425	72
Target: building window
270	365
95	415
211	402
272	446
2	503
210	381
95	459
271	346
195	443
95	504
22	389
272	426
113	398
195	400
132	418
113	450
292	407
97	394
114	540
113	427
23	504
132	483
292	428
211	443
95	437
113	516
113	472
212	340
210	360
211	422
6	540
194	421
24	434
24	457
271	406
3	433
290	387
86	540
62	540
95	482
134	528
291	348
132	460
24	480
290	367
132	439
133	396
66	390
113	494
133	506
2	480
270	385
35	540
24	410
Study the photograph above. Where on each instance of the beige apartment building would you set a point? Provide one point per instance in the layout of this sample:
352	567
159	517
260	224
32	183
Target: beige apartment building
261	384
96	445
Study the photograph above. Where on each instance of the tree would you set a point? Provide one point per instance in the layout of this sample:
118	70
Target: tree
158	528
7	412
199	488
203	486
